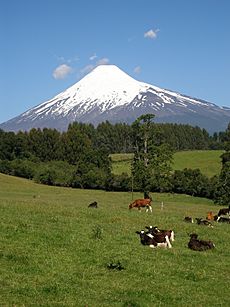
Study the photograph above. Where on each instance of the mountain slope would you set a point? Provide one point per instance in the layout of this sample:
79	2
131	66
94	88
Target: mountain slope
107	93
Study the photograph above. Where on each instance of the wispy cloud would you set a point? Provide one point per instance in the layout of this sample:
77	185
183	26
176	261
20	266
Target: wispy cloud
62	71
103	61
67	60
93	57
88	68
137	70
152	34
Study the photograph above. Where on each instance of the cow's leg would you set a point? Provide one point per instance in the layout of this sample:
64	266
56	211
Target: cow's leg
150	208
147	209
168	242
172	236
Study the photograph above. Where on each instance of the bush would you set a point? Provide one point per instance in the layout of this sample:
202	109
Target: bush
119	183
191	182
94	179
58	173
18	167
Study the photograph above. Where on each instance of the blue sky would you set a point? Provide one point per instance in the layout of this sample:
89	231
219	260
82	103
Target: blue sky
48	45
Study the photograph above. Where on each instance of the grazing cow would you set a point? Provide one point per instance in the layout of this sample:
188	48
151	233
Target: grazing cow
156	231
142	203
201	221
210	216
188	219
224	211
222	219
154	241
93	205
199	245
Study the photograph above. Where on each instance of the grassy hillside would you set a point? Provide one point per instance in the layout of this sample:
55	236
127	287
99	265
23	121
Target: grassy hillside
55	250
208	161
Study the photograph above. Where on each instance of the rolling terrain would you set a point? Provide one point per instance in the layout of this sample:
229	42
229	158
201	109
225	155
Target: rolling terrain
56	251
208	161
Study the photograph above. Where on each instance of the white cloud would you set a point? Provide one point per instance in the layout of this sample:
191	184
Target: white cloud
62	71
151	34
93	57
88	68
67	60
137	69
103	61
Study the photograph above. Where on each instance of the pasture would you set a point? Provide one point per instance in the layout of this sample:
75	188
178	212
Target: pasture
208	161
55	251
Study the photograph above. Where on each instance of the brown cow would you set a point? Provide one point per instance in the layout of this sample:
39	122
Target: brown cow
210	216
141	203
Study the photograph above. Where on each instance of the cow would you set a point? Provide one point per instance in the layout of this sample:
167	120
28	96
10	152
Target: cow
188	219
210	216
222	219
201	221
224	211
199	245
155	231
158	240
141	203
93	205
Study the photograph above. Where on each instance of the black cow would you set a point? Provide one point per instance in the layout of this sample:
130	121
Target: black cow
201	221
224	211
93	205
199	245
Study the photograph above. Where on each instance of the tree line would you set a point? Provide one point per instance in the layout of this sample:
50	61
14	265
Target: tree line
79	157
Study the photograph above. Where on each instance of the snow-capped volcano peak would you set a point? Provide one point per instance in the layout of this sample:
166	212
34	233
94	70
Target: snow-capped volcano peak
108	93
108	85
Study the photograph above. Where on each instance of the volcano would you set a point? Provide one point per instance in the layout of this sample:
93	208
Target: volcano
109	94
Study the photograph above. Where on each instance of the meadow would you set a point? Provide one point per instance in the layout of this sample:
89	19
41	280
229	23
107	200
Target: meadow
55	251
208	161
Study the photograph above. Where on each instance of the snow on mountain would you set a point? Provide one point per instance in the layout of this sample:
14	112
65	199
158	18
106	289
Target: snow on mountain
108	93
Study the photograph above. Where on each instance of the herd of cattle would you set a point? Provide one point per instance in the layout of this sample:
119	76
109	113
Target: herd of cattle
154	237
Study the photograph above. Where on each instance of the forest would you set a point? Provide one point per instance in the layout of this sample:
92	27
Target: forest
79	157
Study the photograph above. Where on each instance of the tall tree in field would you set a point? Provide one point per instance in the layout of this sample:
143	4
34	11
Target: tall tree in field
151	163
222	192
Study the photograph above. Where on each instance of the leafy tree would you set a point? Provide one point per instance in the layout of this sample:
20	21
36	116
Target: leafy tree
191	182
151	163
75	144
222	191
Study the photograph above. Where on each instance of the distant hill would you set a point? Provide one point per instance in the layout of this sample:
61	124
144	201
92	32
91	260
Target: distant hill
208	161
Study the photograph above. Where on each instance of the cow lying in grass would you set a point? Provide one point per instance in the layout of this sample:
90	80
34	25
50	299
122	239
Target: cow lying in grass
155	231
222	219
153	241
224	211
199	245
188	219
93	205
210	216
201	221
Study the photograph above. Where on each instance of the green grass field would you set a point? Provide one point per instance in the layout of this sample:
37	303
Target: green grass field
208	161
55	250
